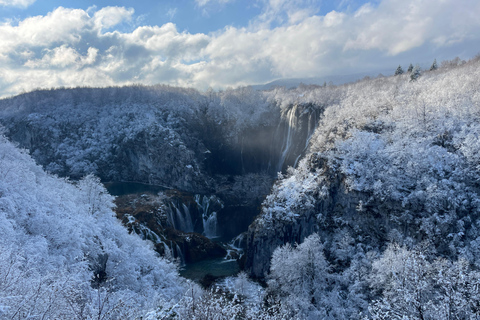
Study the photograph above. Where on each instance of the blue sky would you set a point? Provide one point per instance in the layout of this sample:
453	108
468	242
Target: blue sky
221	43
189	15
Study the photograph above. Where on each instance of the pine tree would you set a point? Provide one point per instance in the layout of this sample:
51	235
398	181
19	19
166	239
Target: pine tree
410	68
399	70
415	73
434	65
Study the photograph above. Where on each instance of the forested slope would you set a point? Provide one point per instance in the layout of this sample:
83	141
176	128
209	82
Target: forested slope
379	218
160	135
64	255
390	191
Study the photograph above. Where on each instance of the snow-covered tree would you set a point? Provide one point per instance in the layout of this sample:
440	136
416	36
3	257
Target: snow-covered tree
63	253
399	70
416	73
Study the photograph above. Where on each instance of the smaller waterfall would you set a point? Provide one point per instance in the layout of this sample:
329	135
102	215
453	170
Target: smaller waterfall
180	255
238	242
188	219
208	207
210	225
179	217
235	248
168	253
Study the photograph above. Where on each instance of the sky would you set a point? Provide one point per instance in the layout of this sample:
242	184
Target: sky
223	43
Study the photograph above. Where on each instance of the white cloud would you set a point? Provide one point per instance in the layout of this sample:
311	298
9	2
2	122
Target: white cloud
62	57
16	3
171	13
60	26
203	3
109	17
74	47
285	12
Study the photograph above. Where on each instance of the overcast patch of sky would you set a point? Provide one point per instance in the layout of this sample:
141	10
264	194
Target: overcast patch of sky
224	42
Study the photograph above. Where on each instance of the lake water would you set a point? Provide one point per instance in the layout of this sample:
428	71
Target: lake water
195	271
124	188
215	267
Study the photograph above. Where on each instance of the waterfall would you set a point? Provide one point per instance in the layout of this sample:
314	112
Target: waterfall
168	253
179	219
180	255
188	219
171	217
312	125
301	122
238	242
210	226
292	124
208	207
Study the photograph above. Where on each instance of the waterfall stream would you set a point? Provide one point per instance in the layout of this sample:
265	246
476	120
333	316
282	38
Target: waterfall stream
291	118
179	217
208	207
299	123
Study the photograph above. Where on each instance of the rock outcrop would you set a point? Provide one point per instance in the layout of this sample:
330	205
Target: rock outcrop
335	208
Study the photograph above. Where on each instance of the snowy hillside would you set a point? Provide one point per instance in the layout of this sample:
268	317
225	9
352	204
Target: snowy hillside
377	219
390	188
63	253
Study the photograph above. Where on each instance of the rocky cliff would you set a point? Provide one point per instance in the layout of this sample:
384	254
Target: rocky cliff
177	138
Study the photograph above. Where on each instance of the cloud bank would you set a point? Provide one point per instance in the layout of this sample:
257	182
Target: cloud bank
16	3
74	47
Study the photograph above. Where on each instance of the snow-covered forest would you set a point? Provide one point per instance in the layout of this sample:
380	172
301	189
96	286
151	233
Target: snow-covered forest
376	217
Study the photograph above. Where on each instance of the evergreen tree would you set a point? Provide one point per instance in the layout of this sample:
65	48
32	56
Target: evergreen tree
415	73
399	70
410	68
434	65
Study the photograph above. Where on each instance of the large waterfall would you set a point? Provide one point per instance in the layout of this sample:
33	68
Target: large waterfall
296	129
291	122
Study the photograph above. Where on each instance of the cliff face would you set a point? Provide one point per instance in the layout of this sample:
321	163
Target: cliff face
316	198
330	198
169	137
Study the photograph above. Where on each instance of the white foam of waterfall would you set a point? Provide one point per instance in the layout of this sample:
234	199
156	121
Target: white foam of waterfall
180	255
235	247
171	217
312	125
237	241
209	217
210	225
187	219
179	219
292	124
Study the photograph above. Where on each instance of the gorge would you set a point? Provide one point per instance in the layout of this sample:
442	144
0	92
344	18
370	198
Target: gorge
214	170
360	199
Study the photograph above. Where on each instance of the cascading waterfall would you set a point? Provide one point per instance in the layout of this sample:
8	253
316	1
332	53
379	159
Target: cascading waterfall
300	122
179	219
292	124
210	226
312	125
180	255
187	219
206	206
238	242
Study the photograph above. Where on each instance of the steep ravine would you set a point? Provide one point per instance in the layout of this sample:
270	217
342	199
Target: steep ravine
186	151
266	234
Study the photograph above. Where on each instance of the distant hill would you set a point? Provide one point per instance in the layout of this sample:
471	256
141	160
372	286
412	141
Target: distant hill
331	79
